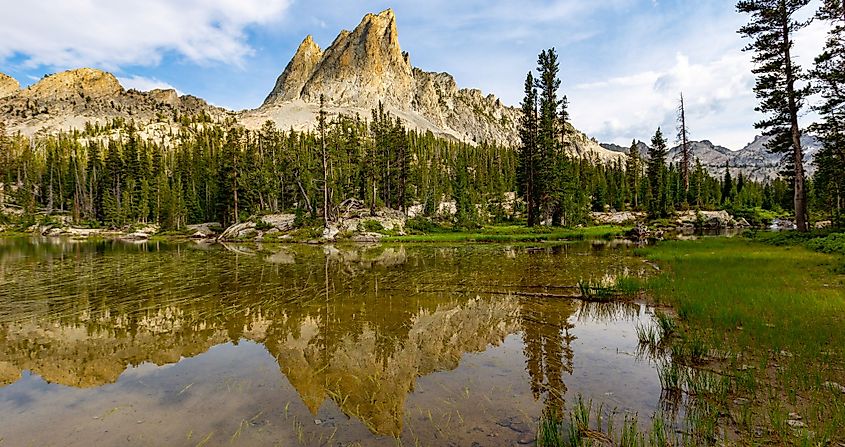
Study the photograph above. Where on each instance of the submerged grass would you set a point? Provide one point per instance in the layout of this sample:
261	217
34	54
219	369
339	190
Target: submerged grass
504	234
577	430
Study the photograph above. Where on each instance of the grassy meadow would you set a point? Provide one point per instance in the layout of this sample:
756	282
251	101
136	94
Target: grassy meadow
749	339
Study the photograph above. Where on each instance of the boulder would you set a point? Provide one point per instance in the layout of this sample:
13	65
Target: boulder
823	224
643	233
277	223
204	230
238	231
136	236
782	224
617	217
331	232
366	237
708	219
281	222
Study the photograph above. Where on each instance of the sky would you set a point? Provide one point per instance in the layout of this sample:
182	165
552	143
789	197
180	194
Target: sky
624	63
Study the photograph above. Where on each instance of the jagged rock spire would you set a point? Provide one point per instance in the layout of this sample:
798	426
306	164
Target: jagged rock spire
360	68
299	69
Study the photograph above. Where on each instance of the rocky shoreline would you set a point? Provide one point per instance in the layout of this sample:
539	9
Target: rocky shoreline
356	223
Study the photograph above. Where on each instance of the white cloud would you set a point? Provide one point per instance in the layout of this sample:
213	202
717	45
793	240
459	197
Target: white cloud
712	72
144	84
717	94
109	34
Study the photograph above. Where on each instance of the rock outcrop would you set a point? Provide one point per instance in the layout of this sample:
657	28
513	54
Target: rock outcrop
360	69
71	99
367	66
85	83
8	85
710	220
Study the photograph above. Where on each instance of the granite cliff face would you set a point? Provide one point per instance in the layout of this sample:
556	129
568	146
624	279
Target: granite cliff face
290	84
367	66
82	82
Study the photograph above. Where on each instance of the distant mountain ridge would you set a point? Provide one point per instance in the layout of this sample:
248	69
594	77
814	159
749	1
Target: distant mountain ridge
70	99
753	160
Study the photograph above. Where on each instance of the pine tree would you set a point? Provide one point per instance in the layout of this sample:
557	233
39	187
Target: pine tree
829	73
633	173
228	180
321	128
656	171
528	157
772	28
113	181
549	133
727	184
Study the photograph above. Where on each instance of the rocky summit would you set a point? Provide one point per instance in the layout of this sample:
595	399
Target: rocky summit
367	66
358	71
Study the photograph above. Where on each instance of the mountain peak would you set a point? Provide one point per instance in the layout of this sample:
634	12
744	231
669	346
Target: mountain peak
8	85
363	67
88	82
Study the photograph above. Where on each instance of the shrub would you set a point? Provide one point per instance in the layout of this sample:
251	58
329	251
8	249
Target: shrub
372	226
833	243
422	225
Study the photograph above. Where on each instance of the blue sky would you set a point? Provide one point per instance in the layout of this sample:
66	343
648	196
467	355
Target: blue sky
624	62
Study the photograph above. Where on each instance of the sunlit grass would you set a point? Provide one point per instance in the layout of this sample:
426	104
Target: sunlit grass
774	317
755	353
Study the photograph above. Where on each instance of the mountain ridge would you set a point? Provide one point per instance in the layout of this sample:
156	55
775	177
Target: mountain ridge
753	160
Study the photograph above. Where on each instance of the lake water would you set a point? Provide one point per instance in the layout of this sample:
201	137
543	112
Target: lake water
111	343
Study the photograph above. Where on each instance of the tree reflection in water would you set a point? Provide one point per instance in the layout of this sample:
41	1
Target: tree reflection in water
356	325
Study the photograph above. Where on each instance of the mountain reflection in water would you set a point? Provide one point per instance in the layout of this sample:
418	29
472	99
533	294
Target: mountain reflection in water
354	330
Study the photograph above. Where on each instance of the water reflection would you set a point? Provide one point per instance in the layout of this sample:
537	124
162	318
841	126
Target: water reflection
365	330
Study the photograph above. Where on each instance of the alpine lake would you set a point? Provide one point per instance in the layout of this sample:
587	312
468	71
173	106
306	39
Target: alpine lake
185	344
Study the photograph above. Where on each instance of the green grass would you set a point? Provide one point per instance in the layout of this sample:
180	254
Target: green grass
759	335
771	318
515	234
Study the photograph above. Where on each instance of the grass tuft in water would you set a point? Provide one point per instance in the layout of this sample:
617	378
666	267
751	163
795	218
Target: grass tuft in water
580	433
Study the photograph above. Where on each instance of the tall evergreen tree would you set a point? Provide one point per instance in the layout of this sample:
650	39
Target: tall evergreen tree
727	184
656	171
322	128
549	131
772	27
527	169
633	173
829	73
